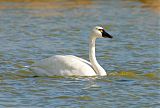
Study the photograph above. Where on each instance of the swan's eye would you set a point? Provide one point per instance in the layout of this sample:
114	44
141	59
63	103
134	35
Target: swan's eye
101	30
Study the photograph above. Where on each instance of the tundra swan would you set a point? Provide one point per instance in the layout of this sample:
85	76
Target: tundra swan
69	65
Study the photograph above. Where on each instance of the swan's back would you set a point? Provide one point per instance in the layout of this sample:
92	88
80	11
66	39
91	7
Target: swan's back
63	65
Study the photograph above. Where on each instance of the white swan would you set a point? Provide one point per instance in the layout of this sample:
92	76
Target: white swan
69	65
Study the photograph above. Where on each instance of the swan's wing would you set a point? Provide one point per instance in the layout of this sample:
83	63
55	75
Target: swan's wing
83	60
63	65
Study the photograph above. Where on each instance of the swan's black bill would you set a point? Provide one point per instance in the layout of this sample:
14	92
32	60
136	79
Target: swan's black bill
106	35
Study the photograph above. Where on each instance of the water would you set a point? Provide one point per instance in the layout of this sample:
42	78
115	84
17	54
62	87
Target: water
30	31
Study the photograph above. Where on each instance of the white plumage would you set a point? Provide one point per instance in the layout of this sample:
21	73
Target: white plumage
63	65
69	65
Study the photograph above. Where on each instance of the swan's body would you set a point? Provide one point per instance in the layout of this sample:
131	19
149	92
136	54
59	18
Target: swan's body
69	65
76	66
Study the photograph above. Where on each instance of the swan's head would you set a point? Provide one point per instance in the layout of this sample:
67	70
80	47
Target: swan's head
99	32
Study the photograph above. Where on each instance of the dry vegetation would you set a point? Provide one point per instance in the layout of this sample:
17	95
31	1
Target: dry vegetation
47	4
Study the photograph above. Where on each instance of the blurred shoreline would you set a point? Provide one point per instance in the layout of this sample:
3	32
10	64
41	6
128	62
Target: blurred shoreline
51	4
43	4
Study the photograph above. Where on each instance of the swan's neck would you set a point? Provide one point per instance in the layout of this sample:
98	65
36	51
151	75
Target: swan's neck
99	70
